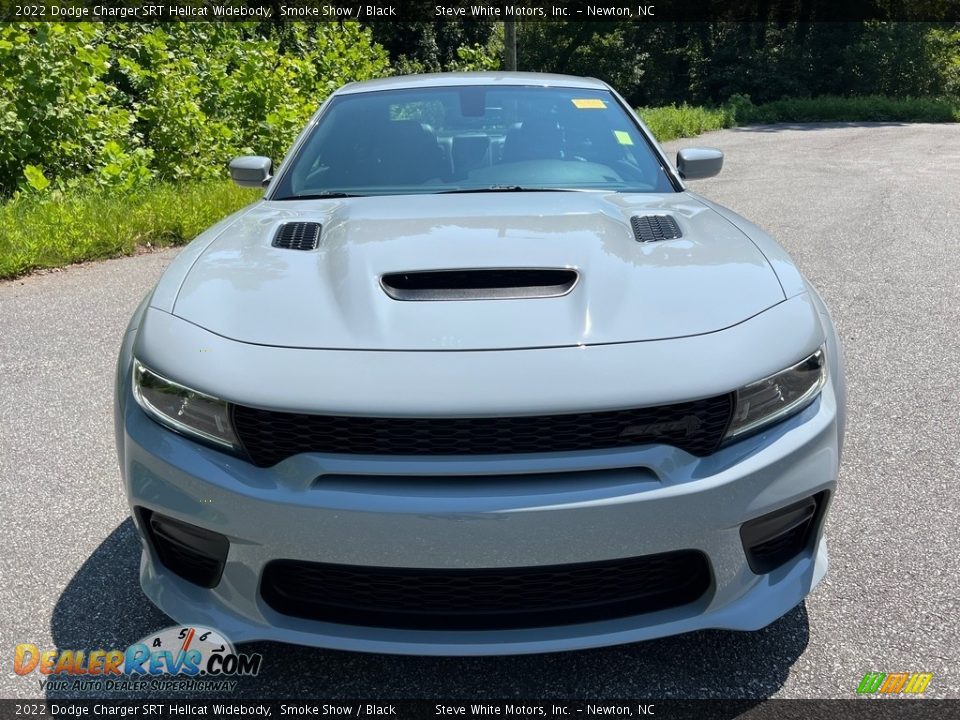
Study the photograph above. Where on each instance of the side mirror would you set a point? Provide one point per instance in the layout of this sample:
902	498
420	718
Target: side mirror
251	170
696	163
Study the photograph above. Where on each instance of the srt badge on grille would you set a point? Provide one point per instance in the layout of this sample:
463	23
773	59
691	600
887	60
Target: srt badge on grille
689	424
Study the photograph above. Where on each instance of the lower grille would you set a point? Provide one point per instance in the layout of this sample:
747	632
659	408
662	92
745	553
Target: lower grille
487	599
192	552
776	538
269	437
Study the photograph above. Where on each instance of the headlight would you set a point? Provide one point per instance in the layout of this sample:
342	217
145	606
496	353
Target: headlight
187	411
774	398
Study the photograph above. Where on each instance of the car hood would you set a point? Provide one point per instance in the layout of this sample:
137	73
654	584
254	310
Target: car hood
243	288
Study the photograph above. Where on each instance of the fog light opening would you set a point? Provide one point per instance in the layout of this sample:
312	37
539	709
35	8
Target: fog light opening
774	539
193	553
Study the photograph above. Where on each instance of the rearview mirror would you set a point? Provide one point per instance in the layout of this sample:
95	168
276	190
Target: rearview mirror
696	163
251	170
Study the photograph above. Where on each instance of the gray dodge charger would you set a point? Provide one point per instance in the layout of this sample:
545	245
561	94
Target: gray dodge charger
479	374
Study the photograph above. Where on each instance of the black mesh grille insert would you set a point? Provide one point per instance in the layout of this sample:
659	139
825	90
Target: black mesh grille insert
649	228
489	598
270	436
298	236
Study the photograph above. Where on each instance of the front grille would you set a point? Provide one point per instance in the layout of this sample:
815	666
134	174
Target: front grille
488	598
269	437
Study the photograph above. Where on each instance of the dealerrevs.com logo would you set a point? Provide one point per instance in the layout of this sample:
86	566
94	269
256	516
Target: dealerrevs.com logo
900	683
188	658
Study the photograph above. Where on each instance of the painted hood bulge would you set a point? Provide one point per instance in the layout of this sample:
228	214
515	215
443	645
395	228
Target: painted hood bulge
244	289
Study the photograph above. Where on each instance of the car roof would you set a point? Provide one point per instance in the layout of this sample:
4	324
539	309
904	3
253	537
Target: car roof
455	79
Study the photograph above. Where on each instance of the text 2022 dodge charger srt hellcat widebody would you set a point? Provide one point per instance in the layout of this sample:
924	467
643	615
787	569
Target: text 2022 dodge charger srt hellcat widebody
479	375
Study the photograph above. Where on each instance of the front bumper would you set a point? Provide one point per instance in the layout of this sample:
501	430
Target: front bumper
414	513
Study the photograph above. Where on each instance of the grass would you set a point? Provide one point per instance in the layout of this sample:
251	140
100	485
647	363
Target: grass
49	231
871	108
678	121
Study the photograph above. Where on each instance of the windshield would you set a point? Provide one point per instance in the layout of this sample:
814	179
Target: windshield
473	139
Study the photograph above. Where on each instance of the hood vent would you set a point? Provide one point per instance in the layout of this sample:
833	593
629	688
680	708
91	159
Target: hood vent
479	284
650	228
297	236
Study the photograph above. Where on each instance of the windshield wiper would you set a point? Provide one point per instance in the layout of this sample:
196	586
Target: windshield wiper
503	188
327	195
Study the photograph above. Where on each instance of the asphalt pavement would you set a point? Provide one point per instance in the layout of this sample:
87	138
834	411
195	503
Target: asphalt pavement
871	214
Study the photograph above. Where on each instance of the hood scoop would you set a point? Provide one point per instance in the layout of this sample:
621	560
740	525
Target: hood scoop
651	228
297	236
479	284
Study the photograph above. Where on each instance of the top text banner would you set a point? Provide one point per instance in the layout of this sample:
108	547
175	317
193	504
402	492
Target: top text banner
478	10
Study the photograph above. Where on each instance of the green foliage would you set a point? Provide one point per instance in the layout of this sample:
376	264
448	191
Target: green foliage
943	43
113	105
871	108
419	47
60	111
660	63
739	107
472	58
55	230
677	121
35	178
610	51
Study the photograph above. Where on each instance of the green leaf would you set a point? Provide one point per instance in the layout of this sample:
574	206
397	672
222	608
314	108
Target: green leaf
35	178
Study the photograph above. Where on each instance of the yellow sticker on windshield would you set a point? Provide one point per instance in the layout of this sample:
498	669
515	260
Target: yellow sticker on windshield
623	137
590	104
